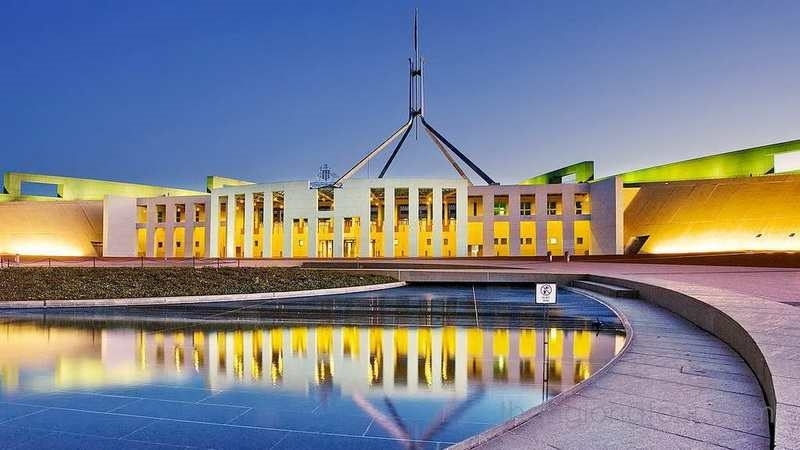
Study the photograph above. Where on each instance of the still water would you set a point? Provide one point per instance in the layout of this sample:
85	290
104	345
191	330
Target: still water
264	376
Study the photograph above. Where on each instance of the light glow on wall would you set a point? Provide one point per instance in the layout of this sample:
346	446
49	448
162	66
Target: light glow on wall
42	246
726	242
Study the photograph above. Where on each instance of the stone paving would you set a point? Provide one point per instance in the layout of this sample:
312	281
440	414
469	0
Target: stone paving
676	387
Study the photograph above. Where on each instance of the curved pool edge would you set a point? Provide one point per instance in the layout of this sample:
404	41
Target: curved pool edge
516	421
719	324
193	299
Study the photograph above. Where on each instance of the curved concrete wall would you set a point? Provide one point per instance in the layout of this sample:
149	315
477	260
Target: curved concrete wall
714	321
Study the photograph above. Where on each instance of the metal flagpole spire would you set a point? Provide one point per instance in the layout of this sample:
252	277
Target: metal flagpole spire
416	119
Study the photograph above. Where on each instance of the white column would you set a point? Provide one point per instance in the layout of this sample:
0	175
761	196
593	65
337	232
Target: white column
413	221
169	230
437	221
338	236
230	227
248	225
513	222
188	233
388	222
288	238
462	219
266	246
212	224
488	224
568	221
311	236
364	224
150	244
541	223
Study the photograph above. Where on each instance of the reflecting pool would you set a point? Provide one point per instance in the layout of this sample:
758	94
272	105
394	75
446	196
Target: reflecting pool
262	375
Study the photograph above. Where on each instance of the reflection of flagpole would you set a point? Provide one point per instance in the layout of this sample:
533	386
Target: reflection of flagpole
546	355
398	429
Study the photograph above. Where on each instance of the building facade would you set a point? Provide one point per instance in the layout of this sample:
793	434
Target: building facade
366	218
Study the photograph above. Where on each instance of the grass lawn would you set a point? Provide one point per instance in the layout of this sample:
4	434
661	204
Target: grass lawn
73	283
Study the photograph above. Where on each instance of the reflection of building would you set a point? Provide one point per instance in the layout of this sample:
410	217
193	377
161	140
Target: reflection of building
396	361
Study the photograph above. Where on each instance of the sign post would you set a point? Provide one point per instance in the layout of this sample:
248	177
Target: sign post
545	295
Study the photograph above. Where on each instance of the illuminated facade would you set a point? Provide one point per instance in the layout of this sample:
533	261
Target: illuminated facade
367	218
715	203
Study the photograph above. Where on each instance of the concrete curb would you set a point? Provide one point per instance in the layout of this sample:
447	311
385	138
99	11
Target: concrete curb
514	422
161	301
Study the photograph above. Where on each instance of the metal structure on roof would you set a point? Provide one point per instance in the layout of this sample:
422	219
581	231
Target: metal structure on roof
416	117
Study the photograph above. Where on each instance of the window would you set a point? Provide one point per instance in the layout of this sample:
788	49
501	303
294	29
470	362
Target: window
500	205
325	199
446	241
161	213
180	213
554	204
428	241
477	205
582	203
526	205
197	244
525	241
199	212
579	240
451	210
503	241
141	214
423	211
496	241
402	212
160	245
178	244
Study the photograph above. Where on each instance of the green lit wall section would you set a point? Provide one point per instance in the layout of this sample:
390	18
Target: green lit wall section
68	188
583	171
740	163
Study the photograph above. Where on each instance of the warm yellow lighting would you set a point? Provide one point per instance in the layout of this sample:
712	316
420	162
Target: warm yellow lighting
43	246
722	241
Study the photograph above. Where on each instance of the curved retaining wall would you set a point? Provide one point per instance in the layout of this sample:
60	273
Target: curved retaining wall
718	323
157	301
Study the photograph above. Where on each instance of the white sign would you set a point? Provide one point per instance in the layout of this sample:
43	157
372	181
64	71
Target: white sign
546	293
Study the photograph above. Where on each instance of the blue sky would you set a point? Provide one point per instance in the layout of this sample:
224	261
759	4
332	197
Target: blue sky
166	92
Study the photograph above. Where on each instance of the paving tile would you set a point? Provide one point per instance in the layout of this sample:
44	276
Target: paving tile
207	435
10	410
299	441
289	420
159	393
86	402
12	436
90	423
73	441
183	411
265	399
451	432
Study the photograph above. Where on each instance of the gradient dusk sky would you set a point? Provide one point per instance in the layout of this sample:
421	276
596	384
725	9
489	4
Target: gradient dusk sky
167	92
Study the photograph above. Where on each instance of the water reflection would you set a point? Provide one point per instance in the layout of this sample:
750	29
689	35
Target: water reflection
392	361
